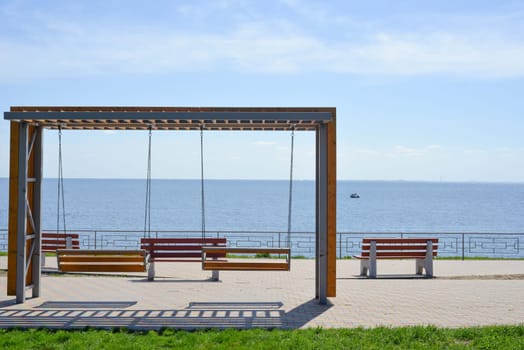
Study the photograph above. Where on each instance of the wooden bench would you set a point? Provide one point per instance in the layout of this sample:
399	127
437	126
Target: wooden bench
421	249
180	250
51	242
246	264
83	260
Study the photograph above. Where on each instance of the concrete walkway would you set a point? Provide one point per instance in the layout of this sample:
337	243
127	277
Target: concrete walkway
469	293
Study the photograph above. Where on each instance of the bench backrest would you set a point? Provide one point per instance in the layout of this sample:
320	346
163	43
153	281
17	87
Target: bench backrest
54	241
398	248
181	249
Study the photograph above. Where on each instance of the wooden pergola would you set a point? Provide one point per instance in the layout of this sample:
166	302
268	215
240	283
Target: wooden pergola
26	161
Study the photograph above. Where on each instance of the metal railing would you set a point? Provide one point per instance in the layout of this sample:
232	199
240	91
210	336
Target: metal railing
451	244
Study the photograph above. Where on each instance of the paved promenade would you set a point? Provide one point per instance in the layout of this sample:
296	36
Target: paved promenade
469	293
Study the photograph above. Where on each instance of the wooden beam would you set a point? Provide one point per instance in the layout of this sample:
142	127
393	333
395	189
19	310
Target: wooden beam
332	209
13	206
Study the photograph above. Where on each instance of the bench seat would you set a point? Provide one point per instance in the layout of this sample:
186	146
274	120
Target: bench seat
82	260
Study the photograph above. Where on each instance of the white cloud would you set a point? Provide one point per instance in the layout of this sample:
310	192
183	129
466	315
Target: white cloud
67	48
414	152
396	151
264	143
368	151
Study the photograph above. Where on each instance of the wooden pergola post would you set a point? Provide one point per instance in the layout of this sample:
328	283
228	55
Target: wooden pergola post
25	190
326	215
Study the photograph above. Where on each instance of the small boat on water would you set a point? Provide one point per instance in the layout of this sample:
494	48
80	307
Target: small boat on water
354	195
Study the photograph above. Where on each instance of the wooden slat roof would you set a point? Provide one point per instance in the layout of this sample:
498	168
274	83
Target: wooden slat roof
173	118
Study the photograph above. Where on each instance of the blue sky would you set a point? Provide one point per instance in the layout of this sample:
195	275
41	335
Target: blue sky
424	90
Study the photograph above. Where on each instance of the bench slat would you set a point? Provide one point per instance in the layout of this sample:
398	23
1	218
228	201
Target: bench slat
241	250
100	259
399	247
59	241
165	247
399	240
381	254
366	257
100	252
184	260
243	266
102	267
60	235
183	240
156	255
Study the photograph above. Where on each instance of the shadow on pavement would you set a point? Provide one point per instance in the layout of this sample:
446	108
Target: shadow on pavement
197	315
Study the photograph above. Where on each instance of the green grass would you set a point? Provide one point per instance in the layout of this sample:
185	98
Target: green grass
495	337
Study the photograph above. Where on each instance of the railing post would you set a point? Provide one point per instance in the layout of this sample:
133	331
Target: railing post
95	239
463	246
339	245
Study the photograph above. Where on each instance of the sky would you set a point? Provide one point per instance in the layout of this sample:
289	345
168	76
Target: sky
424	90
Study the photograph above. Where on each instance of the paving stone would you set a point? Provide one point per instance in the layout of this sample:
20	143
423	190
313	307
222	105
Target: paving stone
464	293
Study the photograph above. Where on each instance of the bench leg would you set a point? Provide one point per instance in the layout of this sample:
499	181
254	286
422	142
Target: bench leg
419	266
215	275
364	267
373	259
429	267
425	264
42	259
428	262
372	268
151	271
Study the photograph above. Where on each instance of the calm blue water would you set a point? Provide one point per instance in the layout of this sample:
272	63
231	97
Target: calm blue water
262	205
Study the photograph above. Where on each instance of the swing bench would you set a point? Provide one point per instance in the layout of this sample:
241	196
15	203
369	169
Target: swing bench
88	260
85	260
259	262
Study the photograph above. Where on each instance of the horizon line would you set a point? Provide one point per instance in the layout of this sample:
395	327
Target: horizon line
284	179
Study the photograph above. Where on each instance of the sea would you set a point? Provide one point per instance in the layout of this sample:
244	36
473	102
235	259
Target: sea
262	205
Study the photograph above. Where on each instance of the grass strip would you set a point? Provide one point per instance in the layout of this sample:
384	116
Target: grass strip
428	337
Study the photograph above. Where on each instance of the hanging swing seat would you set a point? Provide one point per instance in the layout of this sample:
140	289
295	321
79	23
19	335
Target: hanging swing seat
83	260
246	264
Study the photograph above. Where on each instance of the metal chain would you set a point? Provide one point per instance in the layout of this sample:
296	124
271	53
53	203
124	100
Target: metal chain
60	185
203	203
290	203
147	214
